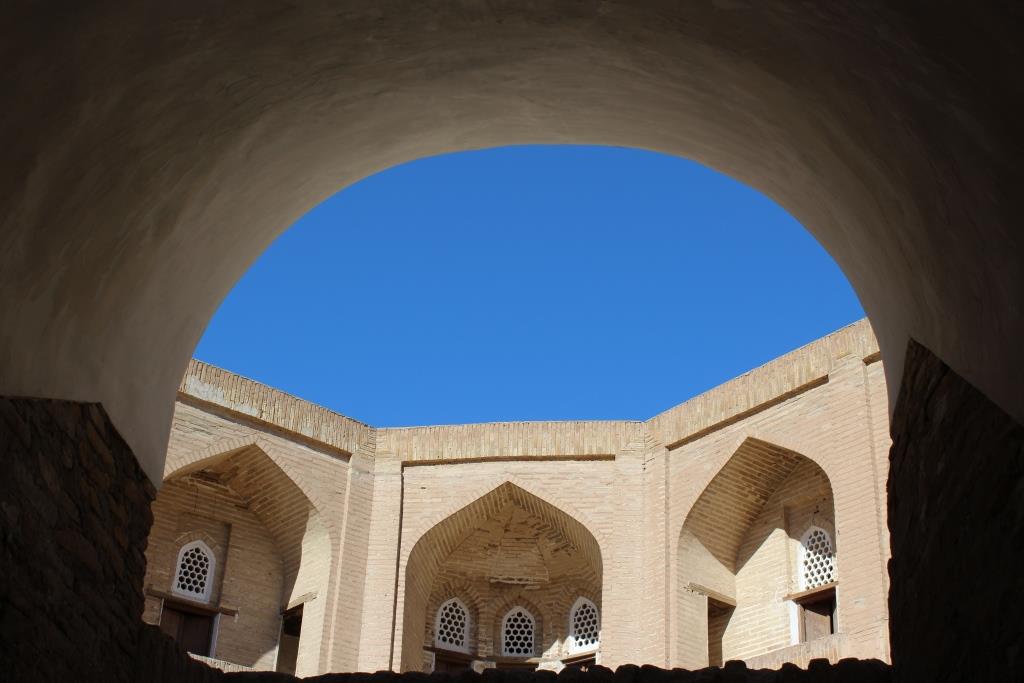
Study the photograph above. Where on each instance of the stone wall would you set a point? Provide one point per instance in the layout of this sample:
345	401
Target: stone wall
75	516
956	516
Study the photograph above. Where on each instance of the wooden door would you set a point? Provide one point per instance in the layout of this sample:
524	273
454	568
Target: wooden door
818	619
451	661
193	631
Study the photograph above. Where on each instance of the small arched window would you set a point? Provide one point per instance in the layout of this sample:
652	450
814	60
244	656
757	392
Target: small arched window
817	558
193	578
584	626
451	629
517	633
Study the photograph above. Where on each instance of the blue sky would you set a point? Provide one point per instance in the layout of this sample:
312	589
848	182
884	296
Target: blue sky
528	283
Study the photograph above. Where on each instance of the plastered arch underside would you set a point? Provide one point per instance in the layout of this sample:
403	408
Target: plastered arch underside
168	161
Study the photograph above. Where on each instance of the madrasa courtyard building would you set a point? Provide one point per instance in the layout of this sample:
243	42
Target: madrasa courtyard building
747	523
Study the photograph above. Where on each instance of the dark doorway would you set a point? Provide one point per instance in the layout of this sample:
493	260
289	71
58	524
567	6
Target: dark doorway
445	660
192	628
581	662
719	614
817	614
288	643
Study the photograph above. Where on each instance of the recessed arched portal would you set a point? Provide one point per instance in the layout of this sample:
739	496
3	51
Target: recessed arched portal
749	583
265	602
519	567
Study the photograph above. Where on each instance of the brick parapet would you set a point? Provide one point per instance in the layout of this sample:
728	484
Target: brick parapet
758	389
273	407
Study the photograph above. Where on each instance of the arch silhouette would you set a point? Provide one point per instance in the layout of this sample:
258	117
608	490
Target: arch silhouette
124	226
521	616
113	273
463	632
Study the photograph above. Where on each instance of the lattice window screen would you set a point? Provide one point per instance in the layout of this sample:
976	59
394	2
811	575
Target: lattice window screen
452	627
585	626
194	576
818	565
517	633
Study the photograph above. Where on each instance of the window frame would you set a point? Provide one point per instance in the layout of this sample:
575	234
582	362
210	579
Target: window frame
802	583
572	647
533	633
448	647
207	594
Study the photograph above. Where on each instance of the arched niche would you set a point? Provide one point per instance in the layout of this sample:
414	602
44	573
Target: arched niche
279	542
739	551
507	548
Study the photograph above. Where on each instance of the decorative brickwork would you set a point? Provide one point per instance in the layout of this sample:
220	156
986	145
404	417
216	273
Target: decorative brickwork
518	633
817	558
584	626
194	577
452	626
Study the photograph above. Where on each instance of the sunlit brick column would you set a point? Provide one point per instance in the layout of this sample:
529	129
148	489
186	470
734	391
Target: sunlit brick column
378	626
852	468
348	585
655	620
623	578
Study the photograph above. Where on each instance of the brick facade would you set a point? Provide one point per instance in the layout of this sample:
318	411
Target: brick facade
372	529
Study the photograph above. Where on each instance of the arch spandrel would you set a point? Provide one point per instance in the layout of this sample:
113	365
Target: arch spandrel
192	461
729	501
457	503
746	441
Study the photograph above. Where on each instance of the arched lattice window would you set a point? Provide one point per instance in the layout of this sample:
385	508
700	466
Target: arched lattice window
584	626
451	629
817	559
517	633
194	575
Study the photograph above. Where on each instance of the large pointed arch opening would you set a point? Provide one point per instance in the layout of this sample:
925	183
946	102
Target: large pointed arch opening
267	531
520	565
744	576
